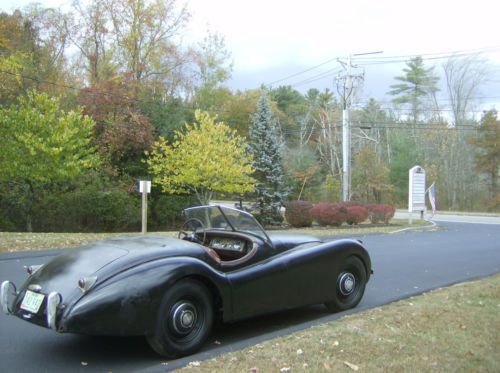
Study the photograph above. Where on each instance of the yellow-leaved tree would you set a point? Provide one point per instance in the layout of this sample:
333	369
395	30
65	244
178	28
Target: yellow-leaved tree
207	157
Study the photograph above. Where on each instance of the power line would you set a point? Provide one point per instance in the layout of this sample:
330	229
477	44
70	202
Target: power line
366	61
302	72
427	56
326	74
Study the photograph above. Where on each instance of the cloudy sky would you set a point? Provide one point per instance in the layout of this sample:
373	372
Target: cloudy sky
273	39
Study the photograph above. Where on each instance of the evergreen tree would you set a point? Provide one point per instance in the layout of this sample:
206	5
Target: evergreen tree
417	84
266	147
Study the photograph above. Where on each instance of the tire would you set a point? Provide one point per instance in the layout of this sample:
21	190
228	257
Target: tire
349	285
184	320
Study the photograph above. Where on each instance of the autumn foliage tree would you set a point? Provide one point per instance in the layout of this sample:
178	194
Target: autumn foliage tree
43	145
370	176
122	133
488	158
208	157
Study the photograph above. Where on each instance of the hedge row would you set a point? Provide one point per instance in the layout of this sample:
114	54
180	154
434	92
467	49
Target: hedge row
303	213
94	210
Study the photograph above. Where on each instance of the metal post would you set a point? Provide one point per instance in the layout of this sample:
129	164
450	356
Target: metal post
144	210
144	188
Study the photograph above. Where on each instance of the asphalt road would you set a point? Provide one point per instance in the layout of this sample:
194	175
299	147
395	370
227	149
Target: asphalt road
405	264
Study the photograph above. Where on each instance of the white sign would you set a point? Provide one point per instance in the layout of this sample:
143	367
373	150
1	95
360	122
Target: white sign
144	186
416	193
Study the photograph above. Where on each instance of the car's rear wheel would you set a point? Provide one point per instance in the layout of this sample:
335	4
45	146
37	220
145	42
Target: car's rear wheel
184	320
349	285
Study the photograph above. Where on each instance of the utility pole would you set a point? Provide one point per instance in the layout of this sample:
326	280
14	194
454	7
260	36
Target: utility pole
346	135
345	88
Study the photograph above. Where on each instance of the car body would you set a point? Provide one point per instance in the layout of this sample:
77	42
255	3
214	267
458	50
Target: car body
222	265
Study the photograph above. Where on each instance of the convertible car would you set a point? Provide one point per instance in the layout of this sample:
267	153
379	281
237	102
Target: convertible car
223	265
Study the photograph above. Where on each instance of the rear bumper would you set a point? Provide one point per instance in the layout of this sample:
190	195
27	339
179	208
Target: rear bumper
7	290
48	311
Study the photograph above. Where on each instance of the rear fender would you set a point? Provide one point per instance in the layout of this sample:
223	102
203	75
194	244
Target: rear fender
127	304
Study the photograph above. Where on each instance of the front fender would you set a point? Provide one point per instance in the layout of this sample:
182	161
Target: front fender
127	304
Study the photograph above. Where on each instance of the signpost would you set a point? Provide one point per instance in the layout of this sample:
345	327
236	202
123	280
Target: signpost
416	193
144	188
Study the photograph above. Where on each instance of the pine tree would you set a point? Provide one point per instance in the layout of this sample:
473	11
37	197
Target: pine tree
417	84
266	147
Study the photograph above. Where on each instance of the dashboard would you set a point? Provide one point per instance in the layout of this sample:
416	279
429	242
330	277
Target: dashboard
228	244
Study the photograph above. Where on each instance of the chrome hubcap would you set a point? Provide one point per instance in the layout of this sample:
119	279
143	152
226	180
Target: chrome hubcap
183	317
347	283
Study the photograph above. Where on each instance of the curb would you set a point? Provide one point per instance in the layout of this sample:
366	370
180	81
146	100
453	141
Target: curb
434	225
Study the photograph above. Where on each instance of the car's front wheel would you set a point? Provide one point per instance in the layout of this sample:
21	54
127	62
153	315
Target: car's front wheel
184	320
350	285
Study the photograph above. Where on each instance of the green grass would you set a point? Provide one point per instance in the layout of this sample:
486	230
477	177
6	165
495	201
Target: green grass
455	329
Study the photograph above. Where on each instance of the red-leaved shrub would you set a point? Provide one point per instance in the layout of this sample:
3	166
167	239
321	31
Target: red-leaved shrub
329	214
381	213
356	214
298	213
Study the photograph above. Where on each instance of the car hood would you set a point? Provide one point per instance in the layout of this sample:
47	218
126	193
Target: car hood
106	258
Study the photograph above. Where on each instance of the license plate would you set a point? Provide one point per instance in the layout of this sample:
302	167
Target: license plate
32	301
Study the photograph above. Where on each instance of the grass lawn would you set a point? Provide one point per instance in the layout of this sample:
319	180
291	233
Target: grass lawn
12	242
455	329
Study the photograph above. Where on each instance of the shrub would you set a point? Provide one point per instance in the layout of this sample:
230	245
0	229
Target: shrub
298	213
329	214
356	214
381	213
88	210
166	210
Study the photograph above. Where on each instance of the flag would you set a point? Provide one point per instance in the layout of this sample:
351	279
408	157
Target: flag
432	198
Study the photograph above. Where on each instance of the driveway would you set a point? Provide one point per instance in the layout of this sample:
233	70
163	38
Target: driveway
405	264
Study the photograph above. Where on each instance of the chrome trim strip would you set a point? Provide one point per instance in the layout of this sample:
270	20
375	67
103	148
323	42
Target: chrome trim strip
4	296
53	300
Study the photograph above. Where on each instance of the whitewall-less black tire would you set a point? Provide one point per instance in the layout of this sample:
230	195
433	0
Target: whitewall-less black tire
349	285
184	320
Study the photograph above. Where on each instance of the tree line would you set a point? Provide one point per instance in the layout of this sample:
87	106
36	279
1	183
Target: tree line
89	94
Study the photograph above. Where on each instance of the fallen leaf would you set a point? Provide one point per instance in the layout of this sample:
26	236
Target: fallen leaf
352	366
327	365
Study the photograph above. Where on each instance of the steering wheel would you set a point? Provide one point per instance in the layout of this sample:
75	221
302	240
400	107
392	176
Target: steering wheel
190	231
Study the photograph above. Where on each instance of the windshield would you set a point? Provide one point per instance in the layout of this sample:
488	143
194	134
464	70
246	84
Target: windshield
226	218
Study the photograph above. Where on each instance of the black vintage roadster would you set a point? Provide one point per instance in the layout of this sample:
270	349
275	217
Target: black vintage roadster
224	265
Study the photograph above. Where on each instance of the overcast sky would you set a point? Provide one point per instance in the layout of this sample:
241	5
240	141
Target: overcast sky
272	39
